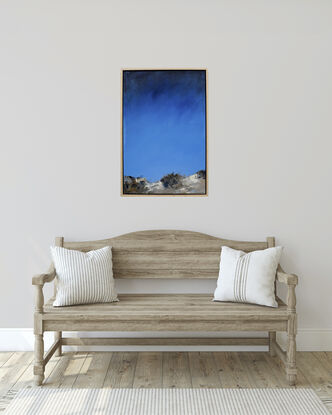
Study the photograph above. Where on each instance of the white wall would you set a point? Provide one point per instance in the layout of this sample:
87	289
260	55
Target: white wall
269	117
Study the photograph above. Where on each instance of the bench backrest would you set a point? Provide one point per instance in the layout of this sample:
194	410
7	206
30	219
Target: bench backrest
166	253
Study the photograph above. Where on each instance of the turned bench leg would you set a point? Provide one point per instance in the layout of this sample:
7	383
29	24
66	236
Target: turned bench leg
58	336
272	340
291	351
38	368
291	332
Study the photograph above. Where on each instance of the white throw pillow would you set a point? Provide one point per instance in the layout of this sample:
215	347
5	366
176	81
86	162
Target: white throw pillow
248	277
83	277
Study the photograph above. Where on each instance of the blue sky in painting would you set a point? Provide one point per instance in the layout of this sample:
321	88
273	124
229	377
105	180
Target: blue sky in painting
163	122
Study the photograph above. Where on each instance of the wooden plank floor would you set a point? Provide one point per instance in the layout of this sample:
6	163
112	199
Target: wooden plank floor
167	370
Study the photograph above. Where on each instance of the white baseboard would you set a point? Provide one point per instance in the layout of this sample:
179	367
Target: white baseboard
22	339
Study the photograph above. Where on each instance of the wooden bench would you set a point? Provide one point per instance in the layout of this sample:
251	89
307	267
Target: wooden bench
165	254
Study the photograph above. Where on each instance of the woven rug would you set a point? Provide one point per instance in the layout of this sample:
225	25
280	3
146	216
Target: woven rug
45	401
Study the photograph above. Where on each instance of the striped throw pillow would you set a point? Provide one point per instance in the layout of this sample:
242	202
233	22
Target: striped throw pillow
248	278
83	277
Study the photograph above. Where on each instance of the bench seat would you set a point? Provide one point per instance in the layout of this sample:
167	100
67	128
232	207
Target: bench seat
166	307
165	312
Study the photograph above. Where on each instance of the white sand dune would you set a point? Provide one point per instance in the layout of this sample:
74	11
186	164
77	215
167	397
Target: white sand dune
185	184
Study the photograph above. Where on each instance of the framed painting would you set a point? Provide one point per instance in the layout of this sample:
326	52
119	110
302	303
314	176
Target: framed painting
164	132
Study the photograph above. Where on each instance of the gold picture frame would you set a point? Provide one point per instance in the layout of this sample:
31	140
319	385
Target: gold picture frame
122	191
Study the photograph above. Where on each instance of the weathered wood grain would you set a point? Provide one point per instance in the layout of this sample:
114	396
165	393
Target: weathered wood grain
13	369
232	373
4	356
176	370
166	254
121	370
203	370
164	325
276	367
314	370
69	368
164	341
93	371
259	370
148	373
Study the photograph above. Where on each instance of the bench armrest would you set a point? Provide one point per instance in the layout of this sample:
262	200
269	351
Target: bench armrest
289	279
40	279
